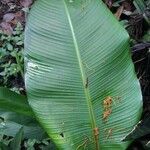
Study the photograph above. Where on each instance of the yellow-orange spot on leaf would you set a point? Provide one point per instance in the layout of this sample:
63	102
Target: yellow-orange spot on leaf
108	133
107	102
106	114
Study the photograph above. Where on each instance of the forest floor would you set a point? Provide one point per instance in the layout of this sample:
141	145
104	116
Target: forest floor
133	15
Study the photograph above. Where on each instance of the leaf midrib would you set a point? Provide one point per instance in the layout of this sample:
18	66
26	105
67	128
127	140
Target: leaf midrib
83	76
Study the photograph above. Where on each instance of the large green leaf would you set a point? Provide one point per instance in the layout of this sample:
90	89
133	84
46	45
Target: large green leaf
12	101
12	122
76	56
16	143
15	112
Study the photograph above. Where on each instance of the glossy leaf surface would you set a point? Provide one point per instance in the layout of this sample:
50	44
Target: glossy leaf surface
77	58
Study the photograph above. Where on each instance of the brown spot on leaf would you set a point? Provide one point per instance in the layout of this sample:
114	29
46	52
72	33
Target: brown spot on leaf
108	133
106	114
107	102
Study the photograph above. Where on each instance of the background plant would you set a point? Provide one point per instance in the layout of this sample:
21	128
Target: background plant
11	58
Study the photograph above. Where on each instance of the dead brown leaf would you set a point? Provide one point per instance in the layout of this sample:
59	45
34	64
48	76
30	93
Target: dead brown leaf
8	17
119	12
6	28
26	3
109	3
